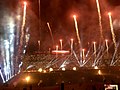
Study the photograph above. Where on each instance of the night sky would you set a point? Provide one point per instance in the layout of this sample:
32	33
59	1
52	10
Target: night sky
59	15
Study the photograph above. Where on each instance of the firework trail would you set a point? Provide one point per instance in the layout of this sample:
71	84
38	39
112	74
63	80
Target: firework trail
78	37
94	46
106	43
71	46
61	43
50	32
76	27
39	44
114	55
100	19
83	55
75	55
23	24
56	50
112	31
98	55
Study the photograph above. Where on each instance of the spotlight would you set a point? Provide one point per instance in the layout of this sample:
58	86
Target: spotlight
63	69
44	71
51	69
27	79
40	70
99	72
95	67
74	68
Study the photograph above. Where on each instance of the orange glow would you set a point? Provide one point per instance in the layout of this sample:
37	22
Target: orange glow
74	16
27	78
44	71
74	68
109	13
25	3
40	70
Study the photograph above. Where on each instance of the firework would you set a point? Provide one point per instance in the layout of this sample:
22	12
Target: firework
23	23
39	44
112	30
106	43
76	27
94	46
56	47
50	32
71	46
60	51
100	19
83	55
61	43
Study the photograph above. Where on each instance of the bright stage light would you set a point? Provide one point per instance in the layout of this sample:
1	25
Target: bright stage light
44	71
40	70
60	51
74	68
63	69
27	79
95	67
51	69
99	72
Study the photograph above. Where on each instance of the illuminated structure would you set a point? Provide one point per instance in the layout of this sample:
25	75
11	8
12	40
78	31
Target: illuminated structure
93	57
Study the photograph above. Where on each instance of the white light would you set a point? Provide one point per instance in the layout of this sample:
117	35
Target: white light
51	69
2	76
24	51
63	69
74	68
44	71
40	69
63	65
74	16
27	78
99	72
95	67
